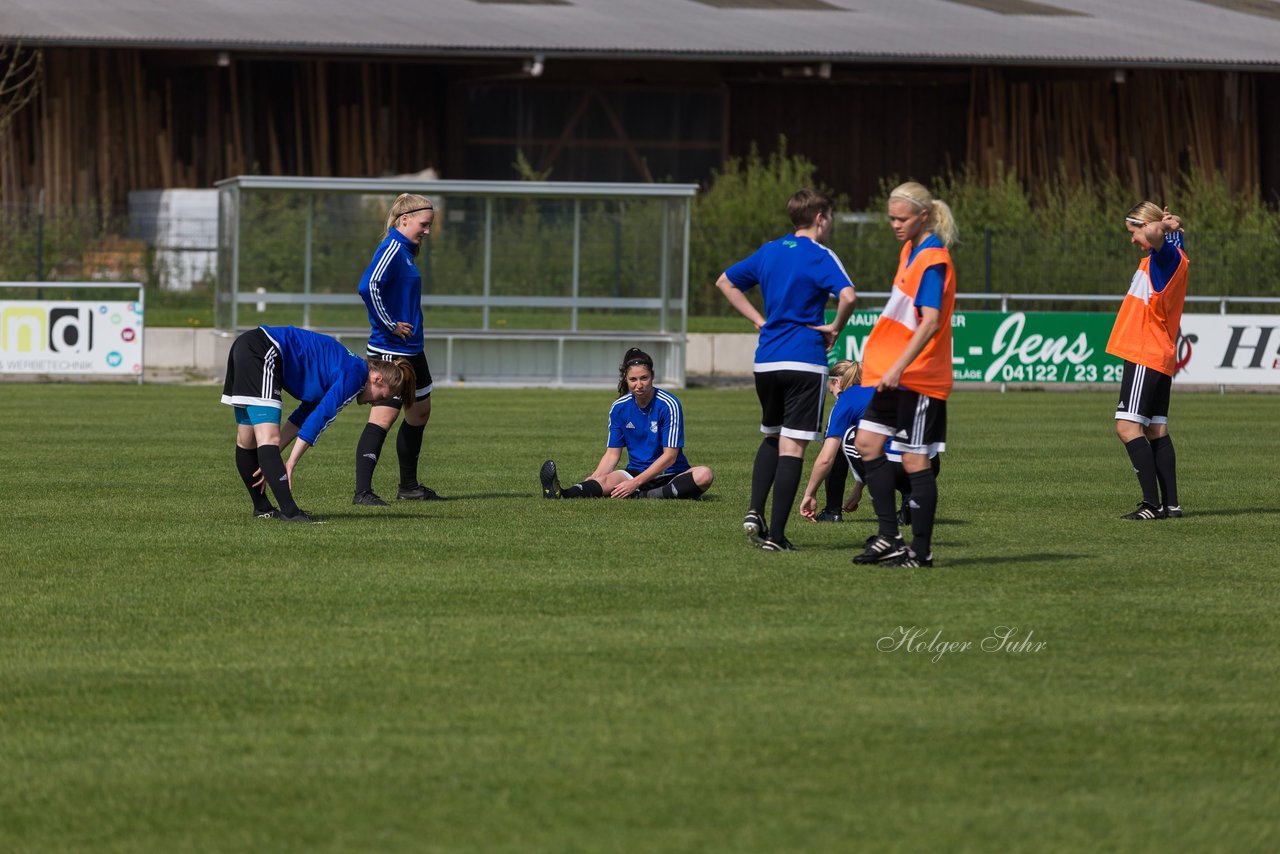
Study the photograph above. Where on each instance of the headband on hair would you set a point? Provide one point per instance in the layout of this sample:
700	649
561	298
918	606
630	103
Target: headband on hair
905	198
415	210
1137	223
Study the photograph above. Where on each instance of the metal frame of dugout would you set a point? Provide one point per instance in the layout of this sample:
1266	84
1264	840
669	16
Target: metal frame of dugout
568	357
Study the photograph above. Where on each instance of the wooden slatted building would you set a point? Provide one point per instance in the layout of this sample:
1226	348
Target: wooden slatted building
186	92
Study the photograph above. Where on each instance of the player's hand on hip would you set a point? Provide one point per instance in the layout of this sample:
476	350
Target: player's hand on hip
829	334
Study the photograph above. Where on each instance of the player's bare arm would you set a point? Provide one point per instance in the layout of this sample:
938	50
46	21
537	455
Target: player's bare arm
740	303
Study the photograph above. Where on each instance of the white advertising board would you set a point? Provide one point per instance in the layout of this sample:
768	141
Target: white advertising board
1229	349
70	337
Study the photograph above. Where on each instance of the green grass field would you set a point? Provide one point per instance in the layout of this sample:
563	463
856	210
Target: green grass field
500	672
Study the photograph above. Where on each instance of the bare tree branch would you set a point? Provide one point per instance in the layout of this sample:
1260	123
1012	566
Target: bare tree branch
21	72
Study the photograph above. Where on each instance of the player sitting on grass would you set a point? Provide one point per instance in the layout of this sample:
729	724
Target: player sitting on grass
649	423
323	375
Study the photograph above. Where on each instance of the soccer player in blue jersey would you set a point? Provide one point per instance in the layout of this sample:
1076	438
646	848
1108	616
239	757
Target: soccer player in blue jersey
392	291
837	446
837	381
797	275
323	375
649	423
842	431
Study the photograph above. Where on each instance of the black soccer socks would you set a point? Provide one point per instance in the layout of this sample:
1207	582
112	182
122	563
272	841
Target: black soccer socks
785	486
836	479
1166	469
368	449
764	471
586	489
1144	466
408	447
880	483
681	486
247	466
924	507
277	478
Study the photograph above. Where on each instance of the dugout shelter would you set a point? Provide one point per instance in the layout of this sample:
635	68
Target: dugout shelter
524	282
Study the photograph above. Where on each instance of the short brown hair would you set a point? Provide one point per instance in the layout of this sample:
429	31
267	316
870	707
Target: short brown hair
805	205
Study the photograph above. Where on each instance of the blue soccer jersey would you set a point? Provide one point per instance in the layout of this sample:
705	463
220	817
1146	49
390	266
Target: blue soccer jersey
646	432
849	407
322	374
796	277
391	288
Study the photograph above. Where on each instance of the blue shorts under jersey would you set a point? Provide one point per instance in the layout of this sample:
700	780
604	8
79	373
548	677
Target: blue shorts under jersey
646	432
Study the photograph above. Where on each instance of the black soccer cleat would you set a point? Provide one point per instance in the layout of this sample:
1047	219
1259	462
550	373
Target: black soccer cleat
911	559
769	544
272	513
301	517
829	516
753	525
418	492
881	550
1173	511
1145	512
550	479
368	499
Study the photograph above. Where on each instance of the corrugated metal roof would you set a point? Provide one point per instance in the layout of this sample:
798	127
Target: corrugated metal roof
1212	33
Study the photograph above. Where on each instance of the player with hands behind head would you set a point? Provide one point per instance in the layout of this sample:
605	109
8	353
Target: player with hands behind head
1145	336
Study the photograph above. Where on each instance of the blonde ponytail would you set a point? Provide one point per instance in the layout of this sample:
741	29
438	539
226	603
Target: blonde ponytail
941	221
405	203
944	224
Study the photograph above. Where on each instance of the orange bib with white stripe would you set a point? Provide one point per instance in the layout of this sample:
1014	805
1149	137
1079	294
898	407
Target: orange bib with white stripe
1146	329
930	372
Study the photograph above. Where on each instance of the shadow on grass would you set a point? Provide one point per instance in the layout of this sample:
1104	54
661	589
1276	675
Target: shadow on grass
1032	558
372	513
473	496
1230	511
481	495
